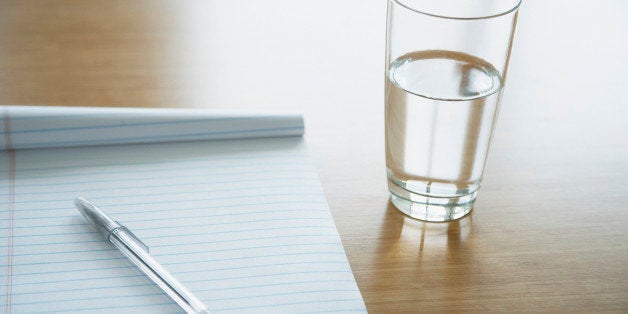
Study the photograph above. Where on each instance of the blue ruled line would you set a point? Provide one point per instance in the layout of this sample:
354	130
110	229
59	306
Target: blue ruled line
188	262
355	310
122	259
197	168
70	207
284	304
213	309
206	183
208	242
118	180
170	218
175	193
181	235
129	180
134	306
117	115
179	272
204	290
205	208
175	137
98	297
146	123
197	164
183	253
141	275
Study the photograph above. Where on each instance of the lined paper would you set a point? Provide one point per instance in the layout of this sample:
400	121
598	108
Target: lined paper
40	127
243	223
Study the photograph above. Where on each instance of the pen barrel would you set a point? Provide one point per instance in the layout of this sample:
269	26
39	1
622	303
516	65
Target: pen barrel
138	254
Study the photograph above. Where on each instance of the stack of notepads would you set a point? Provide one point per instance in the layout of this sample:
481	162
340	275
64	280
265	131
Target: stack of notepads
228	202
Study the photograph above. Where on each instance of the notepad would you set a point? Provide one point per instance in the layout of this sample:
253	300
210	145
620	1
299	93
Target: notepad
242	222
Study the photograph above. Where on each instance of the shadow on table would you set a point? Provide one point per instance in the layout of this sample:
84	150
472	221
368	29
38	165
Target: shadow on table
397	225
418	261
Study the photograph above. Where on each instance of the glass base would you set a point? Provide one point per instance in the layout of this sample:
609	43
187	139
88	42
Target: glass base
430	208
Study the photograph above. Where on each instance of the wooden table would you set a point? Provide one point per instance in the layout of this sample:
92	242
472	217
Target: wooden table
550	228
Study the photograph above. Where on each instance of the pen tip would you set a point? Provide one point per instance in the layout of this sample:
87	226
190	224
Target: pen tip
83	206
95	216
79	199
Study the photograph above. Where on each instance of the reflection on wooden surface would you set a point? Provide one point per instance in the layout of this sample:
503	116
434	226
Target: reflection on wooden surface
432	261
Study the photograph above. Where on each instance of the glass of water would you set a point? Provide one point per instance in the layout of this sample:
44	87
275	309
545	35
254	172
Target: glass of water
446	65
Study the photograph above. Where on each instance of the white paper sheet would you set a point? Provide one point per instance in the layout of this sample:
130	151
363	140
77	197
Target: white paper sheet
39	127
243	223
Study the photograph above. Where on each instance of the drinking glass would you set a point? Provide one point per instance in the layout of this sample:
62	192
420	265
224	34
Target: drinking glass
446	65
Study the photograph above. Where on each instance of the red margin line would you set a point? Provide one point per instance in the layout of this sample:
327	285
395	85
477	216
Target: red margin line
11	153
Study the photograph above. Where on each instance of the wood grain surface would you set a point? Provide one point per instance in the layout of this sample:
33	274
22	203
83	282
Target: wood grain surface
549	232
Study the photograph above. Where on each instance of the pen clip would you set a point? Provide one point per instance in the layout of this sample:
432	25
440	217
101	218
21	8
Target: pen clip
137	240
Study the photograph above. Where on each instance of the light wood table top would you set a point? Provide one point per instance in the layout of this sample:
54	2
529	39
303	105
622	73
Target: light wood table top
549	231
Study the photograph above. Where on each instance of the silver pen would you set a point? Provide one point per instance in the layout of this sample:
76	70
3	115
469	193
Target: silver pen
136	251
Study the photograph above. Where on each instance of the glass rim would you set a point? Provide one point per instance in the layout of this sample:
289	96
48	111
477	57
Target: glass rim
515	7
